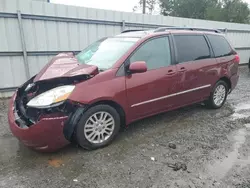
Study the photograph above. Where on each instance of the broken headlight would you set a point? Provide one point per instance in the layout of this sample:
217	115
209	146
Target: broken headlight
51	97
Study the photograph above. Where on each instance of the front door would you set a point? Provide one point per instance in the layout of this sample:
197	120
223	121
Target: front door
150	92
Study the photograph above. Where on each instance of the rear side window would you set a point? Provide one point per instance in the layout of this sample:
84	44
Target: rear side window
220	45
191	47
156	53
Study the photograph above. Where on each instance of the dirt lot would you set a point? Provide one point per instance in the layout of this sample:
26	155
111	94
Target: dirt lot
214	145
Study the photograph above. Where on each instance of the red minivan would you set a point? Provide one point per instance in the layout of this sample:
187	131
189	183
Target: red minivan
117	80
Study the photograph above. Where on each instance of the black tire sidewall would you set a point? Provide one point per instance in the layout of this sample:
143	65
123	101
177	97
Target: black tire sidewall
211	100
80	136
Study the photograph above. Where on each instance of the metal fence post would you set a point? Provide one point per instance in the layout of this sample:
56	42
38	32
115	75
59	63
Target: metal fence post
25	56
226	31
123	25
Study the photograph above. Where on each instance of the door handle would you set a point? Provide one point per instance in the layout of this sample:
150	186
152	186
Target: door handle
182	69
170	72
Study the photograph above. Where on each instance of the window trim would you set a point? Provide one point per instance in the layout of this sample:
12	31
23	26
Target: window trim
211	53
120	71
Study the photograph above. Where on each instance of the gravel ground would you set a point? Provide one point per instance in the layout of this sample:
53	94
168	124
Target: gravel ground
213	144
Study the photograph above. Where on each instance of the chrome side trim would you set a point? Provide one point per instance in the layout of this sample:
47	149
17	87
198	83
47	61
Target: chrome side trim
172	95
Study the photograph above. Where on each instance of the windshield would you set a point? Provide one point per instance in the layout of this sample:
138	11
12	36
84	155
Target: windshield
105	52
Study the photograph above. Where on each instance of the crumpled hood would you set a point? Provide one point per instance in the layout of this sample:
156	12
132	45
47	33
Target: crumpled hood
65	65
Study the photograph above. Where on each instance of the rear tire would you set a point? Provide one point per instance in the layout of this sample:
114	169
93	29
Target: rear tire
97	127
218	95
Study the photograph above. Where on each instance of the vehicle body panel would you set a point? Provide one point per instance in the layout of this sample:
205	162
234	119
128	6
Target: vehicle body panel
104	87
228	69
146	91
65	65
196	76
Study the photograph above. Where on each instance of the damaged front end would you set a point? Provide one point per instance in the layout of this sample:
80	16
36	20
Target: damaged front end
30	115
60	115
40	113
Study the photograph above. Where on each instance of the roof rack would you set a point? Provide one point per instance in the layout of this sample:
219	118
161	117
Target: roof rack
132	30
162	29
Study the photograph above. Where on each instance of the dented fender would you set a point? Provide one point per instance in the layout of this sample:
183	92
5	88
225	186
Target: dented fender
72	121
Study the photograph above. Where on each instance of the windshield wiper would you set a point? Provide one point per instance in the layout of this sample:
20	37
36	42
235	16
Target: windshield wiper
101	70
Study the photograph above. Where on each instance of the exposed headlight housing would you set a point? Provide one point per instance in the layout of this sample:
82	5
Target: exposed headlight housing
53	96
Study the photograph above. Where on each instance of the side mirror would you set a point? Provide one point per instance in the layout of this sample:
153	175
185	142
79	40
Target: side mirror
138	67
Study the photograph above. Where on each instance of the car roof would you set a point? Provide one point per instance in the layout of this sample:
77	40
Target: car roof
137	34
162	31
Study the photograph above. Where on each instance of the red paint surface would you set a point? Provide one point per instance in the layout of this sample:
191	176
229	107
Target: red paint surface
138	67
46	135
64	65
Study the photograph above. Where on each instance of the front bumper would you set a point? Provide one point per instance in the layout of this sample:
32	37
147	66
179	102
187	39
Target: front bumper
46	135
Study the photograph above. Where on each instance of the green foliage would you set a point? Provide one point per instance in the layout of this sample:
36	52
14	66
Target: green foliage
235	11
220	10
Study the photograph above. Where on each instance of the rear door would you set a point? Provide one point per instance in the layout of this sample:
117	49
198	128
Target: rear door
196	67
149	92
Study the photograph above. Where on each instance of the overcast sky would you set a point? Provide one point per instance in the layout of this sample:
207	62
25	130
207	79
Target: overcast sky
119	5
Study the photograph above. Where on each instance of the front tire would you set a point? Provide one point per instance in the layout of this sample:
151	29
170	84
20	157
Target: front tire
218	95
97	127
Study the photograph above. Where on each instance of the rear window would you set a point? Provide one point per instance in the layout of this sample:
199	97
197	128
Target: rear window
191	47
220	46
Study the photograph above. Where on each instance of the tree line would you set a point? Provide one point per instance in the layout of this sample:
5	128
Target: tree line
218	10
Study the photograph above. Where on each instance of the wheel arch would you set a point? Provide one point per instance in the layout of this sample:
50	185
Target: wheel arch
116	106
70	124
210	101
228	82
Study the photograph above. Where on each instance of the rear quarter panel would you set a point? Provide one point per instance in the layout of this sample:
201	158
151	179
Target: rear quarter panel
227	65
229	69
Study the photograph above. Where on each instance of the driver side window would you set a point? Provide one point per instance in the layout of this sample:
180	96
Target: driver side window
156	53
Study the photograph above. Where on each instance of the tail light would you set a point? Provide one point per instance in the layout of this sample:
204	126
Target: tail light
237	58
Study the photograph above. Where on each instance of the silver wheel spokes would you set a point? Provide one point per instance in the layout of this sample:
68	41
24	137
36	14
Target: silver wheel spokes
219	95
99	127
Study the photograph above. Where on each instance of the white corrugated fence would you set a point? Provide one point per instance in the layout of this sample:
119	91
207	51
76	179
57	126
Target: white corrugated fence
31	32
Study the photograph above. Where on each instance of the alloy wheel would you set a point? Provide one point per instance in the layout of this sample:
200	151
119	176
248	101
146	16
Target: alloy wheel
219	95
99	127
